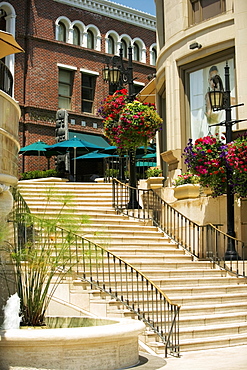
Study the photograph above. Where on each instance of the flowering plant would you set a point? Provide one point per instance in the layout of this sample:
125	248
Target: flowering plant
113	104
207	159
153	172
186	178
129	125
237	161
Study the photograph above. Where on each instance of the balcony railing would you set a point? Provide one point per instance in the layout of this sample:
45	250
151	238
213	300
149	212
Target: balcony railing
6	79
202	241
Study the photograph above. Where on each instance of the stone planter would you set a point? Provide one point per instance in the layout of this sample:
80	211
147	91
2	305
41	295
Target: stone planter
207	191
187	191
155	182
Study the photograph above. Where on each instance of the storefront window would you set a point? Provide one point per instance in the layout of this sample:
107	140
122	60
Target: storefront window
202	118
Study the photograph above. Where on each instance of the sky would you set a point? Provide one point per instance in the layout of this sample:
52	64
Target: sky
147	6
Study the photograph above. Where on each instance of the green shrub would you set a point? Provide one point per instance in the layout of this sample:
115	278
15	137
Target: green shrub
153	172
111	172
38	174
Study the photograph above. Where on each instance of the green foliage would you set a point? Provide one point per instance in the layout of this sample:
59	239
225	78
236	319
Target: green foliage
186	178
38	174
43	254
111	172
153	172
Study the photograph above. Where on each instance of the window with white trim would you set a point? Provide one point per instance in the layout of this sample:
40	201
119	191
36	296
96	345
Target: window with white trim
90	40
61	35
88	84
201	10
65	83
136	52
111	45
76	35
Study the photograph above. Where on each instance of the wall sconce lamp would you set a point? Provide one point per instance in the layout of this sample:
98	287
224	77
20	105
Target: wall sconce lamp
195	45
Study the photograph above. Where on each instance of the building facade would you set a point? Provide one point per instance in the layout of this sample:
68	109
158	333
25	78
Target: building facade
195	39
66	44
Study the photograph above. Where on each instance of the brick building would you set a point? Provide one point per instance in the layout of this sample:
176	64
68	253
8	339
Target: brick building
66	43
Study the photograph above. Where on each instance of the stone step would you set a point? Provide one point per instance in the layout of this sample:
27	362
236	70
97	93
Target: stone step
77	203
213	309
209	320
207	299
122	232
205	281
126	227
37	185
213	303
205	290
200	332
162	252
139	262
195	344
171	273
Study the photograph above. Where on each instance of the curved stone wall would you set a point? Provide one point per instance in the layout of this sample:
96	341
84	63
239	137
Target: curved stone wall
9	148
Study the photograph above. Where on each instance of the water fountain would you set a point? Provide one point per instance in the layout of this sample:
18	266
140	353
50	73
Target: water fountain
68	343
11	313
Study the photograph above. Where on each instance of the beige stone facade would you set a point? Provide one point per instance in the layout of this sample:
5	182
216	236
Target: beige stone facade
9	148
191	43
186	51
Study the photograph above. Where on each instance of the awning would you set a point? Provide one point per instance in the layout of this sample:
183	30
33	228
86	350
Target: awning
93	139
148	93
8	45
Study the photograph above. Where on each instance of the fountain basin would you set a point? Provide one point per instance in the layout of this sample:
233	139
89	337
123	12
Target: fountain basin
107	345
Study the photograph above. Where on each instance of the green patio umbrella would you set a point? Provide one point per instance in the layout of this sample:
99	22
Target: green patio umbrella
39	148
96	155
74	145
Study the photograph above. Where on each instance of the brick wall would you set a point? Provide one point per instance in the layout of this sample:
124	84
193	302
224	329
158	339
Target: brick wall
36	70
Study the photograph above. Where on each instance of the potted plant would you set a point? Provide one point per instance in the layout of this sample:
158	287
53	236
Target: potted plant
186	185
154	177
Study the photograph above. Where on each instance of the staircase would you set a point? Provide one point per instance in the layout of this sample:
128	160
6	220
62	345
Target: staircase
213	303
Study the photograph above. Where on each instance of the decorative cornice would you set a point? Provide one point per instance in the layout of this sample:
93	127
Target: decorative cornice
116	11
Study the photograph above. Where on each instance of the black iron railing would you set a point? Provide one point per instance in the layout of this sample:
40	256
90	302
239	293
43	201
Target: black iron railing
6	79
203	241
103	270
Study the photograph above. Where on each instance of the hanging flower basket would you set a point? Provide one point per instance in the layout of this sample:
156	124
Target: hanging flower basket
129	125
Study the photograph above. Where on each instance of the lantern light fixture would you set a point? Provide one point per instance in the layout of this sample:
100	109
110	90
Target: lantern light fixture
216	96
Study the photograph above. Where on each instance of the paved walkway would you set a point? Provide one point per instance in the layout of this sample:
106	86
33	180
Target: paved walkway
213	359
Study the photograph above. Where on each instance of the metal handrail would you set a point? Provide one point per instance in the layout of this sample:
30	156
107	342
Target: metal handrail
105	271
202	241
6	79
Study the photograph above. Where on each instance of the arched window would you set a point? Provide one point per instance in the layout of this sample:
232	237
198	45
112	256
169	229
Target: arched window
136	52
90	39
153	56
76	36
125	48
2	20
61	32
111	45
